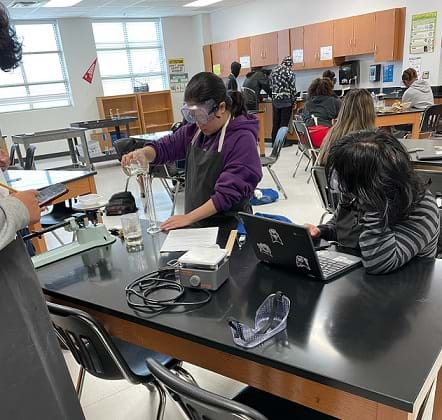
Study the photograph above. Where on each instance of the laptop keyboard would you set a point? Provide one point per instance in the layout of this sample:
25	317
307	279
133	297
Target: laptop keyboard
331	266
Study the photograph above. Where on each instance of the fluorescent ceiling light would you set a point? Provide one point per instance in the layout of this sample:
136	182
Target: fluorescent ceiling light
201	3
61	3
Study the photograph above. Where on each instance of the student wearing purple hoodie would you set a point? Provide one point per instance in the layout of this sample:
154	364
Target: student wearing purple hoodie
219	144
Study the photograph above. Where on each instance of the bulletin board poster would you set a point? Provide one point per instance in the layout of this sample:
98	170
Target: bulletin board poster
178	82
176	65
423	33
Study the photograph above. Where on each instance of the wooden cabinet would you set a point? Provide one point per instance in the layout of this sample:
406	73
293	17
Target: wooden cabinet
283	44
317	36
223	56
297	43
264	49
354	35
343	37
207	54
389	35
242	49
155	111
364	33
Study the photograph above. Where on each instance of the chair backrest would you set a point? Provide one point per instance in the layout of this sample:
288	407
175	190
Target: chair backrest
29	158
329	199
89	343
305	142
433	179
198	403
176	126
251	99
12	152
281	135
431	118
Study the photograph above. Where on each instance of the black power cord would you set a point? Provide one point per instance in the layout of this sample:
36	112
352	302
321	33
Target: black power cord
139	292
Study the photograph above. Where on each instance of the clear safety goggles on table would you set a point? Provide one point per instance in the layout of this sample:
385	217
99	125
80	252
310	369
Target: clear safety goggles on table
200	113
270	319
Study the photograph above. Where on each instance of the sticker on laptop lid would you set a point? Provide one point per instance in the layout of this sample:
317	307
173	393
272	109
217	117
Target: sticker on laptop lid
302	262
274	236
264	249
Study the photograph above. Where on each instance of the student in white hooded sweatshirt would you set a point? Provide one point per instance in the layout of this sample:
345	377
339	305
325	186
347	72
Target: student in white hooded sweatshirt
418	92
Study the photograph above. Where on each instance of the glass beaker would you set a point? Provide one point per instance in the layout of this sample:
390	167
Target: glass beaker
132	232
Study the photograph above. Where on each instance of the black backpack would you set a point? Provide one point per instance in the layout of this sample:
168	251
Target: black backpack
121	203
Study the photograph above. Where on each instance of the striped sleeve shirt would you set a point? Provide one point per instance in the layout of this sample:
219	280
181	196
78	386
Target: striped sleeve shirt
387	249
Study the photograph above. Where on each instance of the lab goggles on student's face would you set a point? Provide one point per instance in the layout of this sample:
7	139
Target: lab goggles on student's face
201	113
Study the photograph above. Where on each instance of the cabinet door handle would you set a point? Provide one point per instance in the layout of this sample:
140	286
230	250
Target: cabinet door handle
375	48
350	42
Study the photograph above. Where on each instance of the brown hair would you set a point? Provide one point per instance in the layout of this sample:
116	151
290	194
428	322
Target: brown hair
409	74
357	113
321	87
329	74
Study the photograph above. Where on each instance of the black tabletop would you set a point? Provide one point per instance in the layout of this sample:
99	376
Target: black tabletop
374	336
429	146
23	180
107	122
407	111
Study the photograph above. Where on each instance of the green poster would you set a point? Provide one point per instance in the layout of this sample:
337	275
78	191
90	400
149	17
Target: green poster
423	33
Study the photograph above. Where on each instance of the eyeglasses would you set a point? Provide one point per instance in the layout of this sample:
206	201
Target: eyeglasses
201	113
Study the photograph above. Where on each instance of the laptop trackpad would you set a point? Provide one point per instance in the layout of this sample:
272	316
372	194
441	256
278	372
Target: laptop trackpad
319	244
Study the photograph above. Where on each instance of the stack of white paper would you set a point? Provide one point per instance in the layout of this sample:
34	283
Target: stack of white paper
186	239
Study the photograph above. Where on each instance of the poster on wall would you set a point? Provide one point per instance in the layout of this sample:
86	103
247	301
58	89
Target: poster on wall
415	63
217	69
423	33
245	61
178	82
176	65
298	56
178	77
388	72
326	53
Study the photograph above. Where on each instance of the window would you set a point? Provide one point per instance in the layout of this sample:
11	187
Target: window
130	55
41	79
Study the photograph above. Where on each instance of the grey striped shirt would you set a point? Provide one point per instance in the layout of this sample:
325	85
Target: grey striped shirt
386	249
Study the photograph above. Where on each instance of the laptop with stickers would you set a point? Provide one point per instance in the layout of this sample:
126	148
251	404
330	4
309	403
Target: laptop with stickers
291	245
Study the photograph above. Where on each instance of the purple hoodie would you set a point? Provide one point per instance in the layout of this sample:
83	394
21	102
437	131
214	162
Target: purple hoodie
242	167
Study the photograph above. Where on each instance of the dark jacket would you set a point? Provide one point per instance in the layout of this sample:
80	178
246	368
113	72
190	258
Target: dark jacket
231	83
257	81
283	84
324	108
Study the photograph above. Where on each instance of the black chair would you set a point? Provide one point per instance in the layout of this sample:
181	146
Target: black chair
329	199
105	357
251	99
431	119
249	404
269	161
305	145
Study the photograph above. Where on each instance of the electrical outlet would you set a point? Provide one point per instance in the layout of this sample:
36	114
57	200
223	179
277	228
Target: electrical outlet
425	75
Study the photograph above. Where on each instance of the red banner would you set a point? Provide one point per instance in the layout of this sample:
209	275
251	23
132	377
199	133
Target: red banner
89	75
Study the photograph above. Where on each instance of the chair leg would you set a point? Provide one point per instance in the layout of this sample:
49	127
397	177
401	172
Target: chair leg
167	188
321	220
297	165
175	196
308	163
276	180
162	402
180	371
80	382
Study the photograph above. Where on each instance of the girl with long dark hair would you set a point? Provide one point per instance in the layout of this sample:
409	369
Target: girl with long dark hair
219	144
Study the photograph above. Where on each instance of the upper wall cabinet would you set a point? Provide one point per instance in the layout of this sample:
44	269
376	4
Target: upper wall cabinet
283	44
207	53
243	50
264	49
354	35
389	35
318	45
297	46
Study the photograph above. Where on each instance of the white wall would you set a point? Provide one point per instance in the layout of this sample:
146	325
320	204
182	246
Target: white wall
79	51
183	38
262	16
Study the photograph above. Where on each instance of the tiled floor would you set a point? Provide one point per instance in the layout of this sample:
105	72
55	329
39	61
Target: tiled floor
118	400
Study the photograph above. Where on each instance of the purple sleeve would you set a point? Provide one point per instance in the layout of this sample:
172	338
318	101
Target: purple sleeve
173	147
241	173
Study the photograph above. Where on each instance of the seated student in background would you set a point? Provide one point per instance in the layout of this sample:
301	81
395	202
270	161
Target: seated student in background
418	92
330	74
386	210
257	81
219	145
356	113
320	109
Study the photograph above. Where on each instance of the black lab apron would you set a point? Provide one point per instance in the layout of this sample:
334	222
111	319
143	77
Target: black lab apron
35	382
203	168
